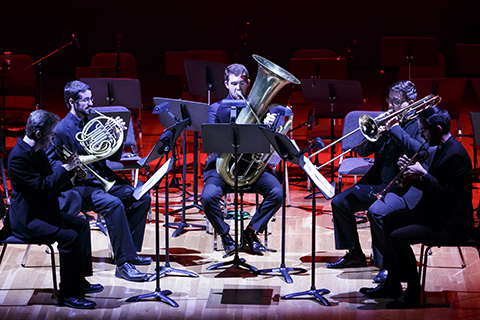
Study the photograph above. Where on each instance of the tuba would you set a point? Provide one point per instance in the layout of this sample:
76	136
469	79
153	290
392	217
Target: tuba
270	79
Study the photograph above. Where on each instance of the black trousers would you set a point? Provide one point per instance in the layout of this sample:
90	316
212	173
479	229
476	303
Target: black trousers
267	185
124	215
75	248
402	230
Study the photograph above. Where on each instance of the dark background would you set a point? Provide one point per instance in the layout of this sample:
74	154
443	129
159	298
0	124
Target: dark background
276	30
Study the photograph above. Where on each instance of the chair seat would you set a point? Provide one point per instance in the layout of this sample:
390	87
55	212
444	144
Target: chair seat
355	166
15	240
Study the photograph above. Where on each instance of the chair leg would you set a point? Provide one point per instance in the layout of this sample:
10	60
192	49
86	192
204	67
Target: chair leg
464	264
3	252
25	256
423	298
54	272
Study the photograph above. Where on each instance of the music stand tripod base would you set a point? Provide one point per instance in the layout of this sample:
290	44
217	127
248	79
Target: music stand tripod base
157	294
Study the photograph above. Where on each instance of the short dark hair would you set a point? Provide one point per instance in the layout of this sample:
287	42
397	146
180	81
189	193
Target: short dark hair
237	70
435	116
406	88
40	120
72	89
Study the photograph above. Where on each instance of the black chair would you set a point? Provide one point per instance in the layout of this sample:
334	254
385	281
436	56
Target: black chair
424	253
15	241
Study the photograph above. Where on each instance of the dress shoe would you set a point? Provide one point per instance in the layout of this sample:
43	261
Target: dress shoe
228	244
405	301
381	276
141	260
252	241
128	272
76	302
93	288
383	291
350	260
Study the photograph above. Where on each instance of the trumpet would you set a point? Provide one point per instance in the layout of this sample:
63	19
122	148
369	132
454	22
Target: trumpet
419	156
83	170
371	128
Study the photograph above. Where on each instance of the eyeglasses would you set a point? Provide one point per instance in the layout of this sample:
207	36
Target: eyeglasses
86	100
395	102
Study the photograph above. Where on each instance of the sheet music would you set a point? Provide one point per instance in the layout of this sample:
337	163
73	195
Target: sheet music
318	179
140	190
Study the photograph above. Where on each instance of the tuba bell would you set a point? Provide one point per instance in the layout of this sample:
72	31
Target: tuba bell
270	79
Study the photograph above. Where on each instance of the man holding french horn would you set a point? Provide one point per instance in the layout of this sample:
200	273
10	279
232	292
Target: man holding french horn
124	215
399	137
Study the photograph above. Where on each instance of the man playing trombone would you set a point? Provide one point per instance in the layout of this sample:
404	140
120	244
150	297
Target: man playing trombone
399	137
124	215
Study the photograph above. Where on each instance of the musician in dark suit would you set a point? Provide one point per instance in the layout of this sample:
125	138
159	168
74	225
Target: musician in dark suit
398	138
35	212
237	82
444	213
124	215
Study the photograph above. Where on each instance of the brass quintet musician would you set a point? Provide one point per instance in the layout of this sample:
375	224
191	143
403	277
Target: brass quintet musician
35	212
444	214
237	82
399	137
124	215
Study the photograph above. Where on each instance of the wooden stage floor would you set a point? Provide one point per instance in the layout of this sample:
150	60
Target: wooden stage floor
452	292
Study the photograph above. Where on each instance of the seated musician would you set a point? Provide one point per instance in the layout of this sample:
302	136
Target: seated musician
124	215
444	213
398	138
35	212
237	82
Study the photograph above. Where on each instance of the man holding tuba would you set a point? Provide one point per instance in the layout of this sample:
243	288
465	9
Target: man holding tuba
237	82
124	215
399	138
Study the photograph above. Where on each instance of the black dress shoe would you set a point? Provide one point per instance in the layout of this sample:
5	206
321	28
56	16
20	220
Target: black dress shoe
350	260
141	260
252	241
404	302
381	276
383	291
76	302
228	244
128	272
93	288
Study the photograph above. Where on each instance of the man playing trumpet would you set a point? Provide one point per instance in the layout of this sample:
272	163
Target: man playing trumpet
399	138
124	215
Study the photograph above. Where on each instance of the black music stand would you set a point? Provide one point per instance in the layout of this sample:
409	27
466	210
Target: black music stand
162	147
206	78
416	51
114	91
328	192
286	151
318	68
338	96
234	138
196	113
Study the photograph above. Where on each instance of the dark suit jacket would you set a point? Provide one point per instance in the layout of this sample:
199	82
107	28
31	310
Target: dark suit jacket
34	211
65	135
446	203
388	148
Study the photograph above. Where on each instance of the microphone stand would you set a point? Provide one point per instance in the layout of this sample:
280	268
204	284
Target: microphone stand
39	69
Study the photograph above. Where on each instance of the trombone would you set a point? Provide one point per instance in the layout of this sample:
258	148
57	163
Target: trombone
370	127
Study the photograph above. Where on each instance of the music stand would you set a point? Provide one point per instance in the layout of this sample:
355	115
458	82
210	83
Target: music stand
235	139
196	113
206	78
162	147
318	68
114	91
416	51
338	96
